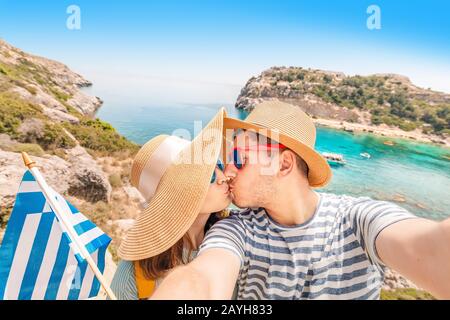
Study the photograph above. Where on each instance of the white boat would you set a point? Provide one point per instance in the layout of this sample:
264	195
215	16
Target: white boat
334	158
365	155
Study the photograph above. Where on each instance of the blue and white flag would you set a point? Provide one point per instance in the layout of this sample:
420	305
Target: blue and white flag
38	260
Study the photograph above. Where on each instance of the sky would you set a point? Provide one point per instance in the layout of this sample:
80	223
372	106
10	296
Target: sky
204	51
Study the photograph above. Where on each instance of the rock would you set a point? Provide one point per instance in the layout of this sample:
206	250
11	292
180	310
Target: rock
60	116
32	128
40	98
420	205
122	224
90	182
79	175
134	195
2	234
84	103
120	227
6	142
57	87
393	280
56	171
399	198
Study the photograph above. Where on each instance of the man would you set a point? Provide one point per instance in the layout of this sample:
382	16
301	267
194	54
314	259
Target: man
297	243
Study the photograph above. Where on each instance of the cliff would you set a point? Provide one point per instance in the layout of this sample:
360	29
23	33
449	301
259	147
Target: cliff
45	112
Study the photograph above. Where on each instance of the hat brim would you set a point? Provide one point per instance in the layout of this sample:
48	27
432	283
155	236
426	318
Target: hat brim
319	173
178	198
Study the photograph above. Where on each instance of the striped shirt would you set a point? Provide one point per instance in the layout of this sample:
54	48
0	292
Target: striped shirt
124	282
330	256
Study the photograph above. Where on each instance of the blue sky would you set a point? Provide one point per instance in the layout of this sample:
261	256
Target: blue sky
207	50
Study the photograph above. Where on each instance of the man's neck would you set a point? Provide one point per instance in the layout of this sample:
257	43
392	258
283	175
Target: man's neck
293	207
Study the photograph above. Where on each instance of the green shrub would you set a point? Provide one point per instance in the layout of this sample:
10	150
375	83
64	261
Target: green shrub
113	250
59	95
4	215
55	137
327	78
376	120
115	180
407	125
30	148
100	136
5	69
301	76
14	111
405	294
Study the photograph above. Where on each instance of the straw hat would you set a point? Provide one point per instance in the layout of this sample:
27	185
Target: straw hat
173	175
292	127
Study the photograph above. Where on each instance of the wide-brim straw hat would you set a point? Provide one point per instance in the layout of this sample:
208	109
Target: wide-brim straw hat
292	127
173	175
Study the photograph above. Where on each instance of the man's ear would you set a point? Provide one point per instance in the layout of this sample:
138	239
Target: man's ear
287	162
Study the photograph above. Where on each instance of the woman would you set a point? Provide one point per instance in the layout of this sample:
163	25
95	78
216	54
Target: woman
185	194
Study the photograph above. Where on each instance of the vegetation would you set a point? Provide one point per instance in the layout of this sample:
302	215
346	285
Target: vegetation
93	134
14	111
26	71
386	98
4	216
60	96
115	180
100	136
30	148
406	294
54	137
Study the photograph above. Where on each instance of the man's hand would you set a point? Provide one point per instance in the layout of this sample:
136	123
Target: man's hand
419	249
212	275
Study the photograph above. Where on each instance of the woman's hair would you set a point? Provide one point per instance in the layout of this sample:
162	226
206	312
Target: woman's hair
156	266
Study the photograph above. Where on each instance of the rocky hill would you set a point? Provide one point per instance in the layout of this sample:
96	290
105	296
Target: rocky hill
45	112
380	100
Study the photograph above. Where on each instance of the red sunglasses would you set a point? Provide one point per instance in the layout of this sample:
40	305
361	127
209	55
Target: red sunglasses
238	159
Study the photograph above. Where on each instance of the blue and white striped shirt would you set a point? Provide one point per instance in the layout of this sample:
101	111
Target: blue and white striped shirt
330	256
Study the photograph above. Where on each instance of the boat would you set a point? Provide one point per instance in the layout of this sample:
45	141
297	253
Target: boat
389	143
334	158
365	155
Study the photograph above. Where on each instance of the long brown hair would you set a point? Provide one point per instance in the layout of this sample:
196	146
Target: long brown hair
157	266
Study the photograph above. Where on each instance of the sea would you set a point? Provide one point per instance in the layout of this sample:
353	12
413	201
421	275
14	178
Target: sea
414	175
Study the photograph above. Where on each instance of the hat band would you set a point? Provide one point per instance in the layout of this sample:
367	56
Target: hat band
158	163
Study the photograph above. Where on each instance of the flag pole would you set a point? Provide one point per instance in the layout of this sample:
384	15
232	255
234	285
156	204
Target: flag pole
63	219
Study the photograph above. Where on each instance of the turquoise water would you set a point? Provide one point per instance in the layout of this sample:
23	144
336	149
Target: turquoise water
416	176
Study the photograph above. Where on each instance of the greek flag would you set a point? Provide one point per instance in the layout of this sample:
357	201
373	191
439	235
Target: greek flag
38	260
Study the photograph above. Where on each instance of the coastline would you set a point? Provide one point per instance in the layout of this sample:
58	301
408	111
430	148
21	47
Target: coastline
384	131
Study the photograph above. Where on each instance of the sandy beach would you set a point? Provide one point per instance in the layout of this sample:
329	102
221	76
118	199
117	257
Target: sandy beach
384	130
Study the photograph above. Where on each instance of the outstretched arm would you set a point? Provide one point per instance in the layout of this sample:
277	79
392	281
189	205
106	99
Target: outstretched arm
212	275
419	249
